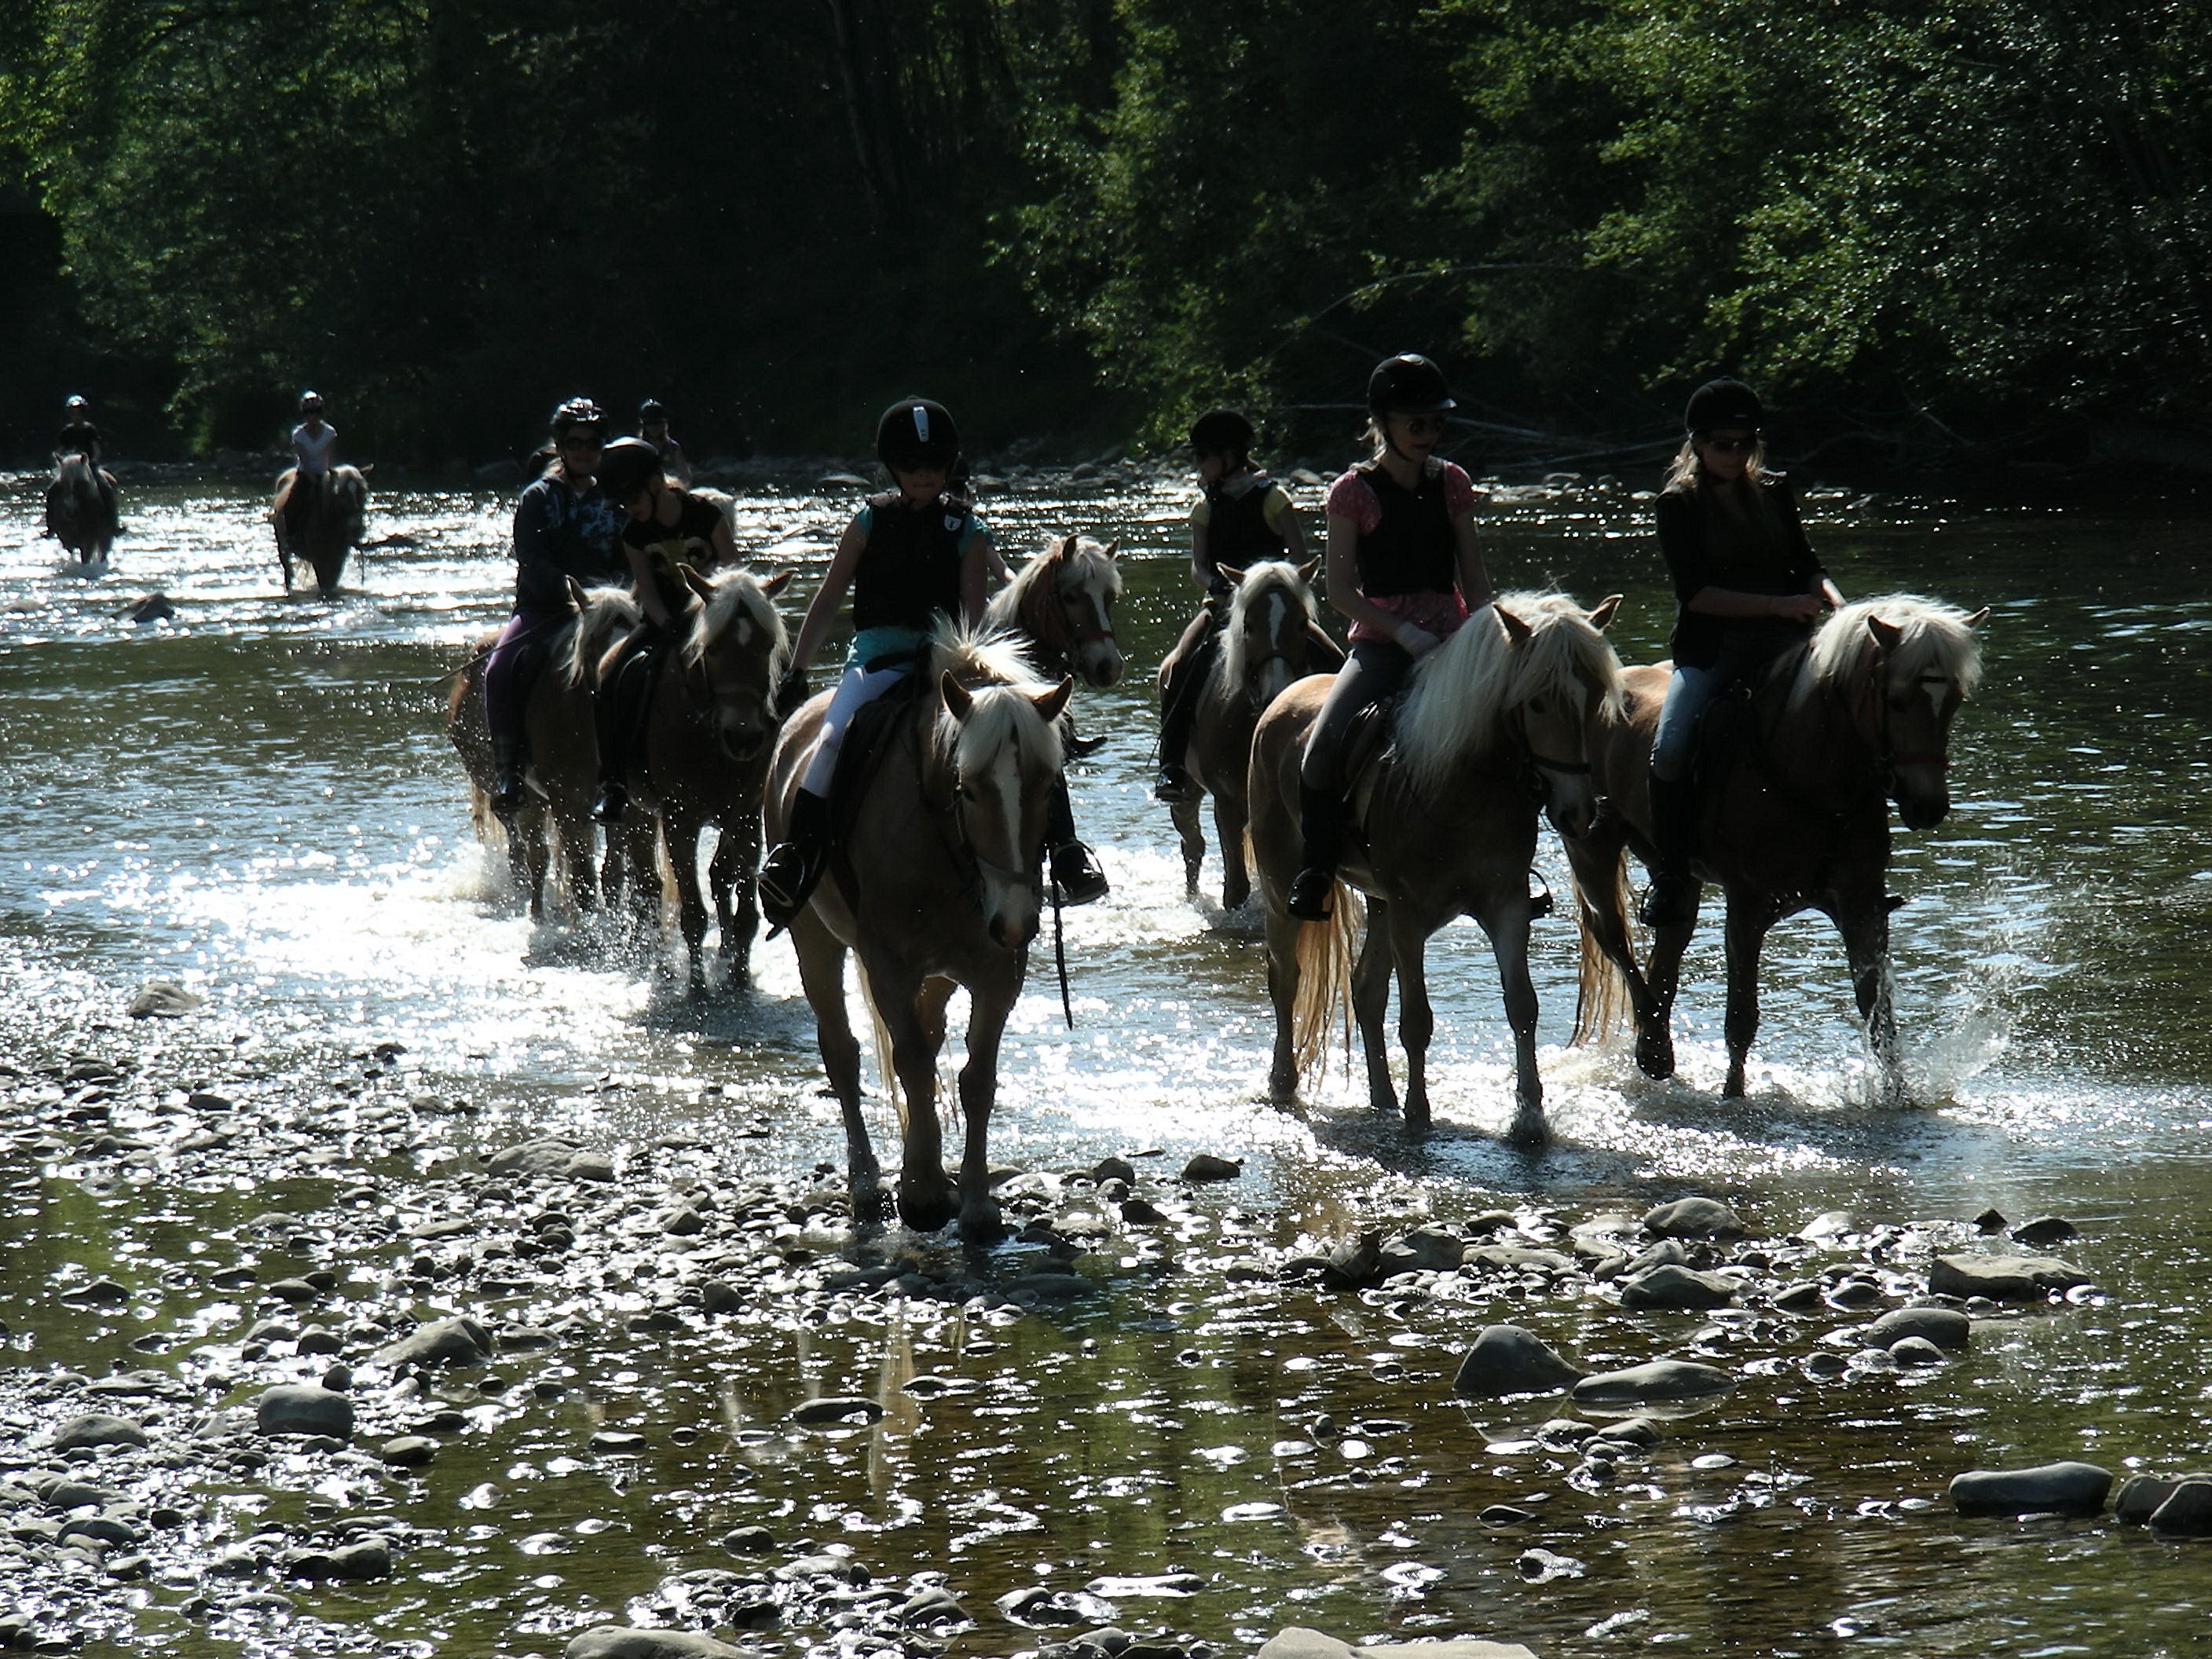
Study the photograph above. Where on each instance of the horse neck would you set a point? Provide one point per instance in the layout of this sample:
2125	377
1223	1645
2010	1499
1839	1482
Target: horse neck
1822	745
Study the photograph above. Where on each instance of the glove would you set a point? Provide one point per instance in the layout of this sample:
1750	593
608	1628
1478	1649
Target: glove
790	692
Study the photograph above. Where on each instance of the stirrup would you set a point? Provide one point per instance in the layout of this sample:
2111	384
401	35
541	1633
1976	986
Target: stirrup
788	878
1309	895
608	808
1669	903
1077	874
1174	787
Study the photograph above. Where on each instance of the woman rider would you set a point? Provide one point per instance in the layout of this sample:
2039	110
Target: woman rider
1748	590
1405	569
910	556
665	528
563	528
1242	516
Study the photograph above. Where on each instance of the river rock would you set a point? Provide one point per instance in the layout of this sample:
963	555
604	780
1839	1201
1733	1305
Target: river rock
1507	1359
2002	1278
457	1341
2140	1495
1297	1642
408	1451
150	608
1425	1250
1466	1647
836	1408
1669	1285
1658	1380
2187	1512
2044	1232
1206	1167
620	1642
303	1408
1695	1218
1944	1326
98	1429
1828	1226
2067	1488
162	998
933	1606
1916	1351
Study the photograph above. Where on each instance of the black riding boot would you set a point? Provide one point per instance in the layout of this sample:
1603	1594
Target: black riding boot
506	776
615	711
1671	901
795	864
1320	826
1178	714
1074	872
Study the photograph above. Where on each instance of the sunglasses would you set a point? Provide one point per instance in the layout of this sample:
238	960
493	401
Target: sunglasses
1424	425
1732	446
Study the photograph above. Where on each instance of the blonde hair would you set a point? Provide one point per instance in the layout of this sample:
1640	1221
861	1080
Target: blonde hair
1686	471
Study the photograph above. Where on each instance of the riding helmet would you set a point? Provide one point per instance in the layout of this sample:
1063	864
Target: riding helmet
626	466
577	411
1719	403
1407	383
916	433
651	409
310	400
76	400
1222	432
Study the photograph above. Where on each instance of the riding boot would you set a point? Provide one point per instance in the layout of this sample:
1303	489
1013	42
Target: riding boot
612	721
1321	827
1178	714
506	775
1671	901
795	864
1074	871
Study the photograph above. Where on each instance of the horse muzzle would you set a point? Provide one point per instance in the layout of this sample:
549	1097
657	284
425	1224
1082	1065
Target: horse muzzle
1100	664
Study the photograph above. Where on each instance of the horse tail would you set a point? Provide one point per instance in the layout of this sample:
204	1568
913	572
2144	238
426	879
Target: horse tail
1324	999
1602	1000
884	1068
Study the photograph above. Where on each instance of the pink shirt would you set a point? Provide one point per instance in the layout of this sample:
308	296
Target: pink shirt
1349	497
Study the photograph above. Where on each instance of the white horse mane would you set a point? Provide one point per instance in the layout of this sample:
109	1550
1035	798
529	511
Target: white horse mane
1460	691
1937	641
737	599
1267	576
991	664
607	612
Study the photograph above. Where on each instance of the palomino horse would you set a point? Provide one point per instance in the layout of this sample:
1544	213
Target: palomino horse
323	526
562	769
80	515
1797	819
936	883
1063	601
1492	726
701	754
1270	638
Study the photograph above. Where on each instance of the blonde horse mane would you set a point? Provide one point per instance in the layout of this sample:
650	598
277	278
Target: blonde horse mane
983	660
607	613
1263	578
1462	691
734	600
1937	639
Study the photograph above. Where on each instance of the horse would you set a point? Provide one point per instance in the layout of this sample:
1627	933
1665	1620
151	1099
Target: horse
1063	601
562	769
1269	639
701	754
1493	725
80	515
936	882
1795	818
324	527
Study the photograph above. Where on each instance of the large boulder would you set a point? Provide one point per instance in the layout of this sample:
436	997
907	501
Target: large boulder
2003	1278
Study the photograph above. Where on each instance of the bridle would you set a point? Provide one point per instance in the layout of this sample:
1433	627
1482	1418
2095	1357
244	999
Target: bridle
1043	615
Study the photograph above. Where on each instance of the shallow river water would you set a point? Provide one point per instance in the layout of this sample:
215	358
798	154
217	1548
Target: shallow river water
256	799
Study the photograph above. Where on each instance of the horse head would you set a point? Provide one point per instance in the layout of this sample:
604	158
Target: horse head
1904	665
1069	609
1004	745
1267	640
732	652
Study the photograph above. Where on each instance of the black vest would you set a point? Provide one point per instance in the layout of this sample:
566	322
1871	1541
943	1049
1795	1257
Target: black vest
909	570
1412	550
1237	532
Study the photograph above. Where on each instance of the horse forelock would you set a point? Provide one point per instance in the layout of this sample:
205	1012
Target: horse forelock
1001	721
1090	567
983	654
1267	579
1935	642
735	601
607	612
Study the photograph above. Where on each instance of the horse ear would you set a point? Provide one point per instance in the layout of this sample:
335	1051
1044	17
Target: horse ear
1113	549
1516	630
1978	617
1310	569
1056	548
958	700
1234	573
1053	703
697	583
1603	614
776	584
577	598
1886	634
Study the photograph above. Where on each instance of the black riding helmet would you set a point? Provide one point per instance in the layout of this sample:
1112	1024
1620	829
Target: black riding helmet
650	410
1407	383
577	411
1719	403
916	433
1222	432
626	466
310	401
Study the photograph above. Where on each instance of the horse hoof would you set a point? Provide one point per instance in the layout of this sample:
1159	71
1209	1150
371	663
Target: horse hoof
983	1227
925	1212
1655	1058
1529	1131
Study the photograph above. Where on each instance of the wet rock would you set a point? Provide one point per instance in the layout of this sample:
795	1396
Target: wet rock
1946	1327
1539	1567
1034	1607
1848	1295
1518	1258
1793	1298
616	1440
1115	1169
1506	1359
1695	1218
1296	1642
836	1408
2043	1233
749	1540
935	1606
1656	1381
301	1408
619	1642
1050	1287
1990	1220
408	1451
358	1563
1671	1286
1425	1250
2141	1494
98	1429
1917	1351
1828	1226
2187	1512
1206	1167
1349	1265
161	998
2066	1488
2002	1278
457	1341
101	1293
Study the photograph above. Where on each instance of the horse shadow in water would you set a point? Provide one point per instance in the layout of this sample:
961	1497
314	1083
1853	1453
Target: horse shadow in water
1797	819
81	510
318	521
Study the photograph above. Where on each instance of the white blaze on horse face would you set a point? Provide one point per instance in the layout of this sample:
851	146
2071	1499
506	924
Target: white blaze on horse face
993	814
1274	635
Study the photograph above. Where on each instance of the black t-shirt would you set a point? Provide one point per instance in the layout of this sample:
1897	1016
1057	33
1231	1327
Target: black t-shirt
690	540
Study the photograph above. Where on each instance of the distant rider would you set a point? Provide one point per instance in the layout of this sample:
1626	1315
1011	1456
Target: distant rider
79	436
314	453
652	426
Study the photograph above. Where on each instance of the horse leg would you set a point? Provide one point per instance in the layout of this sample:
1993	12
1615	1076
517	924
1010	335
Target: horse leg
822	975
1229	835
529	856
1745	931
1417	1018
1864	924
1192	839
925	1199
682	831
1370	1000
1283	992
1507	924
734	875
1663	977
988	1008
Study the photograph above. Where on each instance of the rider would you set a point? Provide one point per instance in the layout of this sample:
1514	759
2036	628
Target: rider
1242	515
1748	589
563	528
1405	568
911	555
652	426
666	528
314	450
81	437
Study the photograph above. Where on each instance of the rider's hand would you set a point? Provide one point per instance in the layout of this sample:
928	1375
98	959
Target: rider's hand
1413	640
790	692
1799	607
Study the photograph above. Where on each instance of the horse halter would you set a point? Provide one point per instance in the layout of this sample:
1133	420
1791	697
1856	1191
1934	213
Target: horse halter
1891	756
1044	618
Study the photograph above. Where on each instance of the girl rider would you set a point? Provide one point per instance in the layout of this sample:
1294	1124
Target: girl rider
1750	589
314	451
1404	569
666	528
564	528
911	555
1242	516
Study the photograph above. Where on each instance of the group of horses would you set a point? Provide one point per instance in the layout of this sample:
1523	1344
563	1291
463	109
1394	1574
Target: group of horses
937	881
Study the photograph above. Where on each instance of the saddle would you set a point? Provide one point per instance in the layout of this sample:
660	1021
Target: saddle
1738	725
866	740
1366	740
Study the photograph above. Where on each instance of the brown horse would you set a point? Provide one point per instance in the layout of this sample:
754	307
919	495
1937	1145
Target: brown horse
1491	727
701	756
1063	601
322	526
1797	818
936	883
80	515
561	771
1270	639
